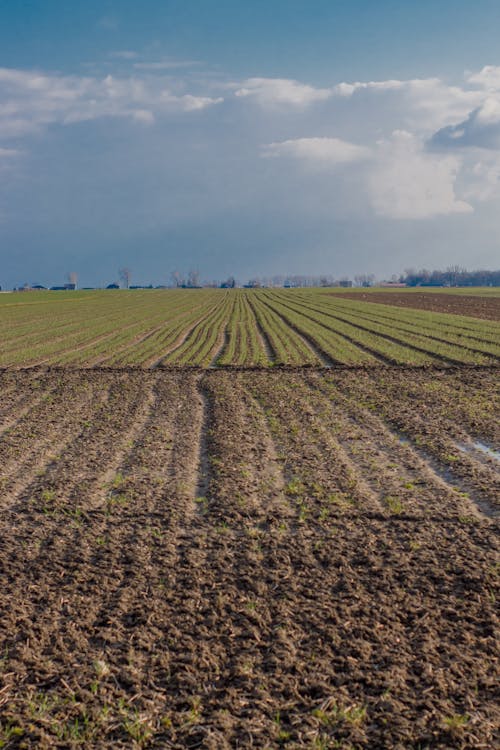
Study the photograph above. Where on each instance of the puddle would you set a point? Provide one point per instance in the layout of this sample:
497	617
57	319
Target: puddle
479	446
447	476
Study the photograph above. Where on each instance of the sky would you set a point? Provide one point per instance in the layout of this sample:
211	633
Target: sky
247	138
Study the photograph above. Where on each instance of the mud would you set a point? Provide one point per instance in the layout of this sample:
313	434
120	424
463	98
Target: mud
248	559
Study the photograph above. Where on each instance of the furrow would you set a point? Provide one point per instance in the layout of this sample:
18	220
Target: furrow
75	478
271	354
405	478
221	345
374	353
321	355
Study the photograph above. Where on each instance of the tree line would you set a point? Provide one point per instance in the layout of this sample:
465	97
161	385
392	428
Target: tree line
452	276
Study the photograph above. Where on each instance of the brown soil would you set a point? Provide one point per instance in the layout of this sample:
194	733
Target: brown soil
248	559
487	308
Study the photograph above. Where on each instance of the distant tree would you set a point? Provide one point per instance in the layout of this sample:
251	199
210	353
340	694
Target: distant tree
177	279
193	279
254	284
364	279
452	276
229	283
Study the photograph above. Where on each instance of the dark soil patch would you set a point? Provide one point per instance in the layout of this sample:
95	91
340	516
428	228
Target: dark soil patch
487	308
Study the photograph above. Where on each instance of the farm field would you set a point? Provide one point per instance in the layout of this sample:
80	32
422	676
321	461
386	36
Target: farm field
255	558
474	304
263	328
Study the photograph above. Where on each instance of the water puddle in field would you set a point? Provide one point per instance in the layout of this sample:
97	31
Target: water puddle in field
446	475
477	445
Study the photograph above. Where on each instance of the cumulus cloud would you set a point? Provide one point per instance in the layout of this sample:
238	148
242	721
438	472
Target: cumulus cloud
30	100
420	169
481	129
281	91
323	152
479	126
410	183
487	78
348	89
425	103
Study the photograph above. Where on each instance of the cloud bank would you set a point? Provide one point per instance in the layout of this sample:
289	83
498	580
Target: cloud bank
31	100
172	146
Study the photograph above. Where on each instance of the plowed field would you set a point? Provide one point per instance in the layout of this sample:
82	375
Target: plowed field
300	558
487	308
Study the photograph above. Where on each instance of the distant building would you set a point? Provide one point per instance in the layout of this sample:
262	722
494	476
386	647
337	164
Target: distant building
70	286
346	283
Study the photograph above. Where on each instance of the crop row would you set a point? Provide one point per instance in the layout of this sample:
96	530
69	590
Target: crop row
233	327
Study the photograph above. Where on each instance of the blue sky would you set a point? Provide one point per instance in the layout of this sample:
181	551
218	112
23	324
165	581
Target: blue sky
247	138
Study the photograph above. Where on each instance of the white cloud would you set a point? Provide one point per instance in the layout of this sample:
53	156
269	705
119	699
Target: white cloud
143	115
483	178
425	103
318	151
480	129
489	112
348	89
30	100
487	78
409	183
479	125
282	91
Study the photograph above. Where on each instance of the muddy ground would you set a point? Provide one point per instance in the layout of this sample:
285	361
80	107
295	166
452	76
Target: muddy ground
249	559
487	308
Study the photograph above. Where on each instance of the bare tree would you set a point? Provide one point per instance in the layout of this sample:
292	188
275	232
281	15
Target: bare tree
364	279
125	274
453	273
193	279
176	279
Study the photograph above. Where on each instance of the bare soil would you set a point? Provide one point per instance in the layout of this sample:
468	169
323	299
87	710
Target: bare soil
249	559
487	308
